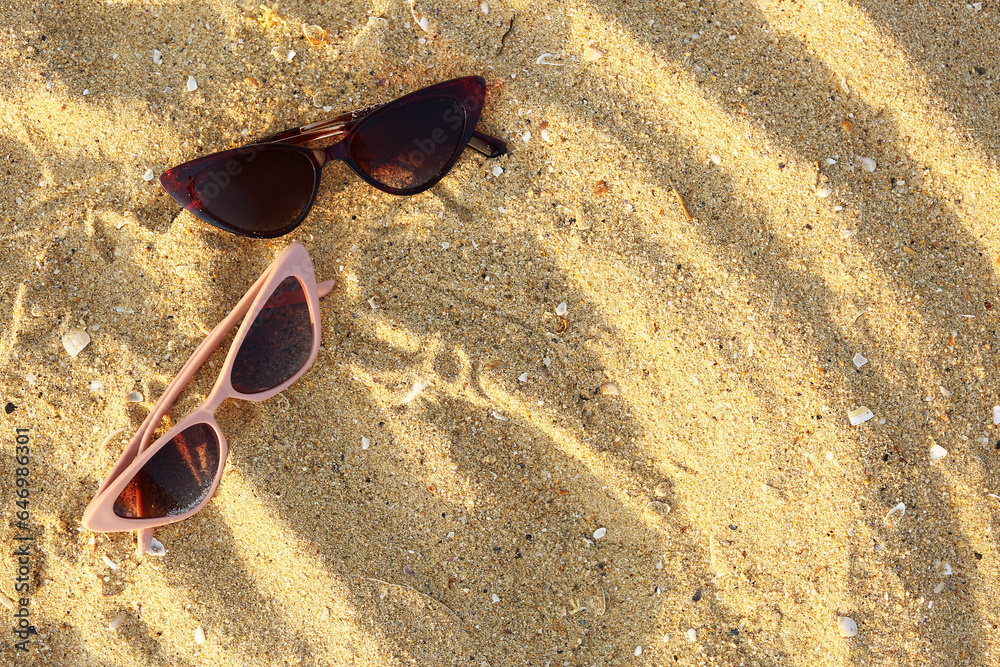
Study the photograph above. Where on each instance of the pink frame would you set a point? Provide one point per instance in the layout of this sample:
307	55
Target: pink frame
99	515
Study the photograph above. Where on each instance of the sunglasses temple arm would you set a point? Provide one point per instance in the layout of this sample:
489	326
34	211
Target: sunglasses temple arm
487	145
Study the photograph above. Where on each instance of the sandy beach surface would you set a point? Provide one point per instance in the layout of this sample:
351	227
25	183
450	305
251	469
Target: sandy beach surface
583	404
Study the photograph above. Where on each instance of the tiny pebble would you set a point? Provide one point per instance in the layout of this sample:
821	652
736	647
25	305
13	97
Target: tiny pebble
996	415
115	623
561	309
148	176
526	137
497	170
199	635
484	8
600	532
74	341
365	443
523	377
939	588
133	397
859	360
590	54
496	598
868	163
848	628
445	245
157	57
692	634
938	452
192	85
638	650
716	159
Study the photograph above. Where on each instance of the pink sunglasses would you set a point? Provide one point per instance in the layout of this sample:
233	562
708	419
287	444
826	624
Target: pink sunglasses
173	478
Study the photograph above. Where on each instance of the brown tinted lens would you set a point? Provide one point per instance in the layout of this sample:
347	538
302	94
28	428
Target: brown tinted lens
176	479
410	144
278	343
260	189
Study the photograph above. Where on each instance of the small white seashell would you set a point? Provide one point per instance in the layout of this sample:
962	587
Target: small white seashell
939	588
830	161
843	85
600	532
544	60
74	341
192	85
819	7
484	7
859	360
590	54
751	349
692	634
116	623
365	443
7	602
545	136
500	417
561	309
445	245
374	302
86	91
610	388
716	159
157	57
325	614
868	163
658	509
824	191
110	563
901	508
199	635
291	54
546	361
996	415
848	628
938	452
496	598
497	170
526	137
638	650
148	176
418	387
156	548
860	415
95	386
947	570
523	377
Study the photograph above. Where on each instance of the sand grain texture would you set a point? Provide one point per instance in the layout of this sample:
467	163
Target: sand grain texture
701	199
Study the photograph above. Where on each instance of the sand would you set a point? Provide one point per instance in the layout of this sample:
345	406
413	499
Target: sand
732	200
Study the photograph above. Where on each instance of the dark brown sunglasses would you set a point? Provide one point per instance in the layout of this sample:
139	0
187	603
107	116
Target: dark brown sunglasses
402	147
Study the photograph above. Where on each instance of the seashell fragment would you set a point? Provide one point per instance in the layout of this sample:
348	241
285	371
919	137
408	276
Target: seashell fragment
199	635
658	509
497	170
74	341
848	628
996	415
859	360
938	452
365	443
638	650
495	598
868	163
860	415
590	54
110	563
824	191
500	417
662	490
148	176
523	377
116	623
156	548
901	508
544	60
561	309
939	588
610	388
314	34
192	85
691	634
7	602
157	57
484	7
600	532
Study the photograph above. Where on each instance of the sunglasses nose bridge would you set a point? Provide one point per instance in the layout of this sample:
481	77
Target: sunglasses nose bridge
336	152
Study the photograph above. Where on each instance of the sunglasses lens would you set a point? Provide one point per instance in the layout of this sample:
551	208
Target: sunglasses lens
408	145
261	189
176	479
279	341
